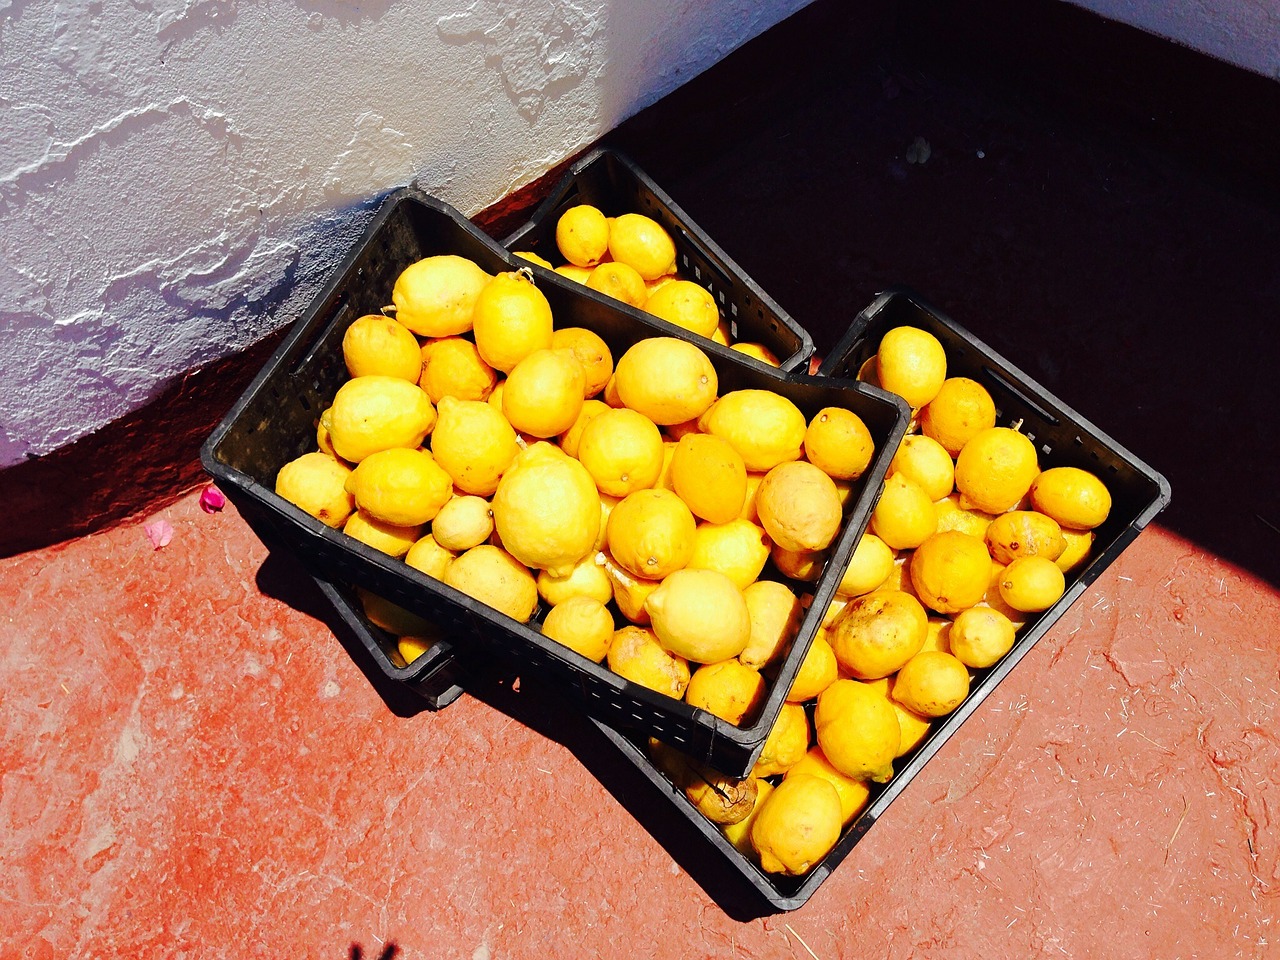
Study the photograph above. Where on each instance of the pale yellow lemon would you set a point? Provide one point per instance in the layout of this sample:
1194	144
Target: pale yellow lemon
316	483
436	296
463	523
980	636
699	615
642	243
798	506
869	567
512	319
925	462
375	413
494	577
904	517
818	670
392	539
911	363
1031	584
587	579
543	393
428	556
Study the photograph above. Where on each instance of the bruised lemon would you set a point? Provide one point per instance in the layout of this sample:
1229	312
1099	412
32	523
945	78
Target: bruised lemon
710	476
775	613
962	409
667	379
400	486
838	443
685	304
931	683
622	450
728	689
799	506
911	363
474	444
636	655
496	578
651	534
764	427
546	510
591	351
722	799
738	549
512	319
582	235
452	367
1024	533
950	571
877	633
995	469
375	413
1073	497
436	296
317	483
699	615
641	243
857	730
583	624
375	344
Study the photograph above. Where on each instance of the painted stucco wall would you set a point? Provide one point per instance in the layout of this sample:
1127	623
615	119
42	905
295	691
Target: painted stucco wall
176	176
1243	32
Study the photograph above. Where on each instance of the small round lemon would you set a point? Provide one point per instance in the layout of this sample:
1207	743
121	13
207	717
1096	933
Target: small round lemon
543	393
643	244
375	344
911	363
317	483
429	557
436	296
931	683
651	534
582	235
905	516
995	469
925	462
495	577
587	579
1075	498
1032	584
700	615
962	409
838	442
980	636
950	571
583	624
463	523
622	450
474	444
687	305
869	567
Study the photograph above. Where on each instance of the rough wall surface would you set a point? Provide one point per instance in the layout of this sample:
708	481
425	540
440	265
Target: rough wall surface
1243	32
176	176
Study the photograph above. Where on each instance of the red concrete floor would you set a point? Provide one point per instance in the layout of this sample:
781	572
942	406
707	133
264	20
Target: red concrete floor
193	764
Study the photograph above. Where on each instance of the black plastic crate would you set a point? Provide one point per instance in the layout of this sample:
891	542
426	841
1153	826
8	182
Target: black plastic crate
610	181
1062	438
274	422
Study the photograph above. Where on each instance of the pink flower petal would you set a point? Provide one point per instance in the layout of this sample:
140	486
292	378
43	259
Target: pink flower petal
212	499
159	532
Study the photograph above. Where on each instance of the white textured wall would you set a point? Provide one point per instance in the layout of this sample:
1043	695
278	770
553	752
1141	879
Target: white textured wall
1243	32
173	171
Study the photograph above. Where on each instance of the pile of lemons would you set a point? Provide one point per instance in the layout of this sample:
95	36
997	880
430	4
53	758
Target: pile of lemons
667	530
970	539
632	258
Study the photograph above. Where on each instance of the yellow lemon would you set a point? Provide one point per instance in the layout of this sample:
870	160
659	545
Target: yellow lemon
391	617
664	475
400	486
728	689
857	730
950	571
474	444
616	279
905	516
996	602
749	512
546	510
411	647
428	556
622	450
452	367
738	549
739	834
323	440
952	516
591	351
435	296
869	567
1075	498
911	363
494	577
643	244
757	351
1079	543
512	319
534	258
636	655
962	409
877	633
587	579
607	503
570	439
787	743
651	534
542	395
575	273
763	426
710	476
1032	584
317	484
667	379
678	431
799	507
838	443
980	636
797	825
375	413
629	592
931	683
912	727
854	794
1024	533
818	670
938	635
390	538
775	613
583	624
804	565
699	615
463	523
582	235
834	609
687	305
375	344
723	334
995	469
924	461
